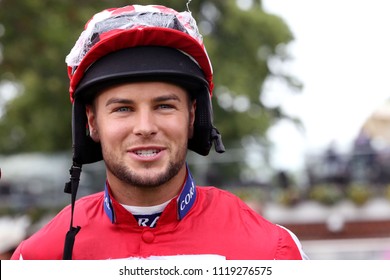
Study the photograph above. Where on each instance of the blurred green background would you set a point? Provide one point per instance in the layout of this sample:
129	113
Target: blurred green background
243	42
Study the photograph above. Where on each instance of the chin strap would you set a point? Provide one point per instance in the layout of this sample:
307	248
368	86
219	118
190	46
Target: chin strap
71	187
217	139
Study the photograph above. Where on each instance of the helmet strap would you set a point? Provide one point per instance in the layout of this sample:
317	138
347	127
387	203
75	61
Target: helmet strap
217	139
72	187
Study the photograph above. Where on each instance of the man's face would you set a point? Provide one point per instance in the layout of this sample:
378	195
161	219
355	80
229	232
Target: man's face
143	129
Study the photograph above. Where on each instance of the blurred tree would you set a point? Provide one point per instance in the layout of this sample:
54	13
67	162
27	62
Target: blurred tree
36	35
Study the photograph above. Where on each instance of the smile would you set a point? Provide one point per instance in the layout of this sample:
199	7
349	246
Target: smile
147	153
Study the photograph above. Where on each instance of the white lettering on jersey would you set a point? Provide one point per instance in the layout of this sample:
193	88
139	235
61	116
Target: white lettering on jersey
187	198
145	222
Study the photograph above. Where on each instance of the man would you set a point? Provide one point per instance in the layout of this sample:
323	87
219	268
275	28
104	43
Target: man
141	82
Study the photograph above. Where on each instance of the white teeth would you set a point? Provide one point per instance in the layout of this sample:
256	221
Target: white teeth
146	153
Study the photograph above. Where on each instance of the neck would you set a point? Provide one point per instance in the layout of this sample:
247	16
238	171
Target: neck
146	196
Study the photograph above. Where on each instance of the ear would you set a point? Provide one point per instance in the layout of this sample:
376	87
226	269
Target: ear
191	119
92	126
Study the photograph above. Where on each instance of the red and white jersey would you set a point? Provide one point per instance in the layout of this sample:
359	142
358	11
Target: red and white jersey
202	222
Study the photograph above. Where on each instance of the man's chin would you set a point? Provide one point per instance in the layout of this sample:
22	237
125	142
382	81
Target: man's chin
148	178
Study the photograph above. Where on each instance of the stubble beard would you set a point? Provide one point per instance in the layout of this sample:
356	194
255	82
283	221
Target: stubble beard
120	170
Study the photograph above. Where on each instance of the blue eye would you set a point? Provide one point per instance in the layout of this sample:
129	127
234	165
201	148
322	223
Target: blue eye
123	109
165	106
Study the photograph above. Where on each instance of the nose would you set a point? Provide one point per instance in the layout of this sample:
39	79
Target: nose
145	124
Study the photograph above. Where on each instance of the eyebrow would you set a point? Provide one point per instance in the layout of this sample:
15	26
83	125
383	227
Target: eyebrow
166	98
115	100
161	98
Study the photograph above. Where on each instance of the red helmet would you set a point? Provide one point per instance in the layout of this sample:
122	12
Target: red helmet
135	43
